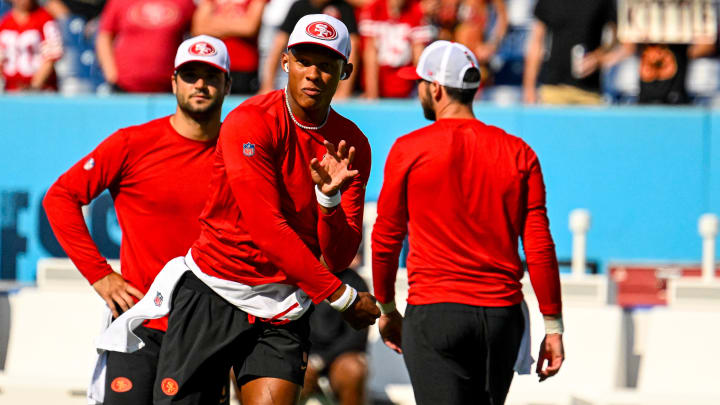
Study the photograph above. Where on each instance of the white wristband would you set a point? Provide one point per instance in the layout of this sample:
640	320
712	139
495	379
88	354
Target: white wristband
554	326
345	300
386	308
324	200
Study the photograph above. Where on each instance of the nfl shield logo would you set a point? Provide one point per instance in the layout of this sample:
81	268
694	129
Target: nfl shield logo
248	149
158	299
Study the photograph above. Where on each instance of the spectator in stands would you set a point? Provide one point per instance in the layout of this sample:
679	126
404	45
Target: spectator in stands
394	34
336	8
237	22
571	33
137	41
89	10
30	43
466	22
663	69
338	352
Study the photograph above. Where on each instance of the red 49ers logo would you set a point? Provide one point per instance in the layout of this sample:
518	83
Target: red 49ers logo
201	49
321	30
169	386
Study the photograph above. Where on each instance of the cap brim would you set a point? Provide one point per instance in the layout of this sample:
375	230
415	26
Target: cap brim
408	73
319	44
202	61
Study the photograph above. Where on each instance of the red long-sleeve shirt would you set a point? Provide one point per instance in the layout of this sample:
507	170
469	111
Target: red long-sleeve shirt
158	181
465	192
262	223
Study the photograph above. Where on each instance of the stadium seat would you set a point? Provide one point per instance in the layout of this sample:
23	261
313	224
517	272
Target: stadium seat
679	364
621	83
50	350
703	79
78	70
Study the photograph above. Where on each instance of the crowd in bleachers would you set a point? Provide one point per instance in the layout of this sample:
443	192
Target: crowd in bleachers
532	51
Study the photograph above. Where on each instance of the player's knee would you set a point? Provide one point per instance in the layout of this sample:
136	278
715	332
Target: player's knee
351	367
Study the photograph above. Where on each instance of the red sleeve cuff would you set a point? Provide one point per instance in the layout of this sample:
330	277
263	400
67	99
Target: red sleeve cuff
97	275
327	292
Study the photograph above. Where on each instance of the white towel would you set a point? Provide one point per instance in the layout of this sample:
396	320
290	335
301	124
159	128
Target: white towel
524	361
96	389
278	301
118	336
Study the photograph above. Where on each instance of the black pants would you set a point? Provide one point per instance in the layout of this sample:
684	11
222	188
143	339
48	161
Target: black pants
461	354
207	335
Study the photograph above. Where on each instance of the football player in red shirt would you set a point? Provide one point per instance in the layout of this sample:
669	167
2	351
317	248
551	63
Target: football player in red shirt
285	211
30	44
157	175
464	192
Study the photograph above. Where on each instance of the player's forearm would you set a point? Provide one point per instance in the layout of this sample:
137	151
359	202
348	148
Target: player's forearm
280	243
64	214
540	248
339	237
387	241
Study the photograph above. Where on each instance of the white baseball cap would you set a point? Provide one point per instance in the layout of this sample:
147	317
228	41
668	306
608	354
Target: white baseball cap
323	30
443	62
205	49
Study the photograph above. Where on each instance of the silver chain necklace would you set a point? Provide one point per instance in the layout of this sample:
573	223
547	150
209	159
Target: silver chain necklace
287	103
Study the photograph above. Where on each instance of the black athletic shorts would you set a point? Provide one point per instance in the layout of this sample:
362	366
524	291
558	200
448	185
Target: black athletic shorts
461	354
330	335
207	335
130	376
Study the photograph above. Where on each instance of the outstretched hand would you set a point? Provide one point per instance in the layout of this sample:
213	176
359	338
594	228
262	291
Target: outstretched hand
330	173
117	293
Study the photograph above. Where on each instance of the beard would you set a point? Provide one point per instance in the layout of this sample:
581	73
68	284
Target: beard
426	103
199	113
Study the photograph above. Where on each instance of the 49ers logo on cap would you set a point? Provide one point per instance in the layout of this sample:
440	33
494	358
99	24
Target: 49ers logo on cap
321	30
201	49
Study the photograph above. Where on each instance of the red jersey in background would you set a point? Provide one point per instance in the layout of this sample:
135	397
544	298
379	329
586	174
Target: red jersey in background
243	52
464	192
158	181
262	223
24	47
146	36
394	38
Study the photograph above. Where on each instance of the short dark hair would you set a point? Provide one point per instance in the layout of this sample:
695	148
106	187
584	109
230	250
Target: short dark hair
465	96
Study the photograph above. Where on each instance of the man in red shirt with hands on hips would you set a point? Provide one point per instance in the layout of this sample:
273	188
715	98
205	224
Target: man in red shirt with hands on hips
285	211
157	175
464	192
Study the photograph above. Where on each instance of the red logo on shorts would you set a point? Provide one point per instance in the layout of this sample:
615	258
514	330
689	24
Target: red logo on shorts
201	49
121	384
169	386
321	30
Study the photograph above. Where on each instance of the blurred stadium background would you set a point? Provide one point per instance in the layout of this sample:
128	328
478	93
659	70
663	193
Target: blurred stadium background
627	188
